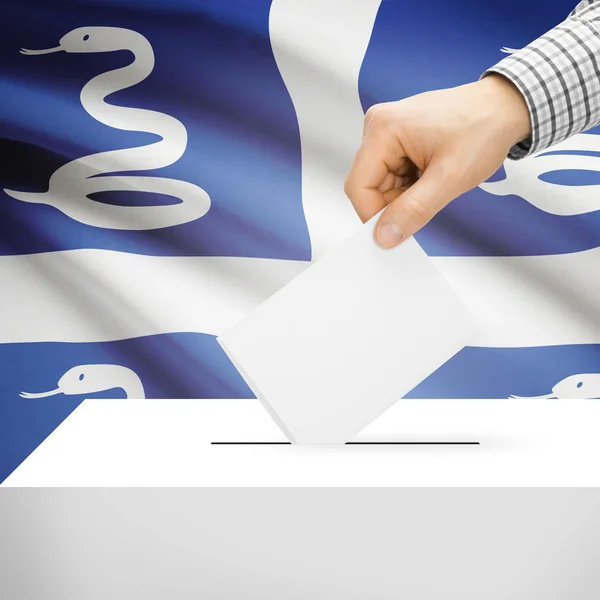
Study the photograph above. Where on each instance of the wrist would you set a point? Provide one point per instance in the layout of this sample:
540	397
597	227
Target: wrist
507	105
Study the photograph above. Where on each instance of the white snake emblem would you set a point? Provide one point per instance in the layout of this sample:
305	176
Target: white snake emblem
70	186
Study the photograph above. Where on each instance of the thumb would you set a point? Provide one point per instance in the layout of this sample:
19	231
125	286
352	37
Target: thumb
417	205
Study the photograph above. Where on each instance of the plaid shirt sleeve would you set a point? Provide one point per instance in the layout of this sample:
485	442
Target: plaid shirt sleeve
559	77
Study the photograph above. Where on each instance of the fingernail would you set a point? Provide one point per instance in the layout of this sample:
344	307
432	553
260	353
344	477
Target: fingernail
389	234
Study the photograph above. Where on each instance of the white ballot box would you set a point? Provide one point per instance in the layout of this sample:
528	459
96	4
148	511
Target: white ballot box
352	334
234	443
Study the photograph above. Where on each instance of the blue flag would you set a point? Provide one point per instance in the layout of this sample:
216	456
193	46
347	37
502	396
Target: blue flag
166	166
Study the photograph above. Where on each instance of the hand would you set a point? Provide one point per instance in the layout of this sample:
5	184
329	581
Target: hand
420	153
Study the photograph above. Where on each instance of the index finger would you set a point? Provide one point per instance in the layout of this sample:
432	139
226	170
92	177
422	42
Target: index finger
372	164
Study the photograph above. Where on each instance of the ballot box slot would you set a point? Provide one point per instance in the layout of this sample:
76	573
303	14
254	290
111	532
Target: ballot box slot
351	444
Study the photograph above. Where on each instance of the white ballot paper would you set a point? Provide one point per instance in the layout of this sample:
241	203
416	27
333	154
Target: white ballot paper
356	331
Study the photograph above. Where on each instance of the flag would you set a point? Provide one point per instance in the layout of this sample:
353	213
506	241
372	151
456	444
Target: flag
167	166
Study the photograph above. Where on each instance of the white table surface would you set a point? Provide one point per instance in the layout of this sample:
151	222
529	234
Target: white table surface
168	443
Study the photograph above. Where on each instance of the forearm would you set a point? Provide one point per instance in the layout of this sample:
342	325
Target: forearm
559	77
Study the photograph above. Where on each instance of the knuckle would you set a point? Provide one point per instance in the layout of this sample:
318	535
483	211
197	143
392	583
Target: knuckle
348	187
369	113
417	211
377	114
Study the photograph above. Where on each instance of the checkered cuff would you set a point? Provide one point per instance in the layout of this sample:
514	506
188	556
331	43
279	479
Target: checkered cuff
559	77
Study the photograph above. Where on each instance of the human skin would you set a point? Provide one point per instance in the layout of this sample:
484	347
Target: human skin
420	153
